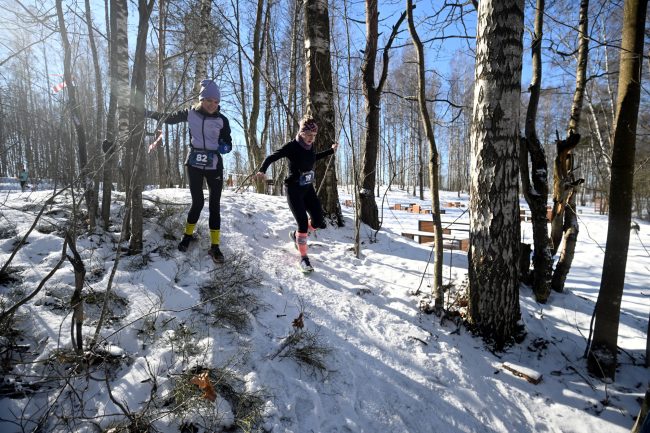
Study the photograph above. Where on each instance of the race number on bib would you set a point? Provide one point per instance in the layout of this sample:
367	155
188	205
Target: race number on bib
306	178
200	158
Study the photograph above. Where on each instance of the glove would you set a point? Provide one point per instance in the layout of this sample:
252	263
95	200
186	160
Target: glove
224	147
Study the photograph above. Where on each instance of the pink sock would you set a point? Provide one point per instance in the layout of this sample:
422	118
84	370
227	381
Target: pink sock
301	240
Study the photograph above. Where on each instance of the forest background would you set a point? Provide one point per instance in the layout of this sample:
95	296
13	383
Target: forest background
36	128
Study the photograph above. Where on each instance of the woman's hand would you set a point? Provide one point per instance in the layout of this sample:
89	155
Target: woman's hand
335	146
260	176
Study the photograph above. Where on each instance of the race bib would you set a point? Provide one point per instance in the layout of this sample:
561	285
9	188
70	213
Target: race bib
200	158
306	178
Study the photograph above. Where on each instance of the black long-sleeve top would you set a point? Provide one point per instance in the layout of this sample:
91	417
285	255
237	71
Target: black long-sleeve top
301	160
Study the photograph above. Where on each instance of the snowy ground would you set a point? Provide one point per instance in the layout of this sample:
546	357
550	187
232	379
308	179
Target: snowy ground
391	368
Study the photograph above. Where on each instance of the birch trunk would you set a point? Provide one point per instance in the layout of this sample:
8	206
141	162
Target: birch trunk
494	204
120	13
320	101
138	89
73	106
99	121
164	176
201	48
109	145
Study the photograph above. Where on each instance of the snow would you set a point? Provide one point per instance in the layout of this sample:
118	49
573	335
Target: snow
390	367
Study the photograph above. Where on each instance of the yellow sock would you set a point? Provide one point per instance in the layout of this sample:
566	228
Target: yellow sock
189	229
215	236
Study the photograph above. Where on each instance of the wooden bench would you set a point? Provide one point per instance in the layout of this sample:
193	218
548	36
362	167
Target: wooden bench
461	244
454	204
427	225
449	242
402	206
422	236
525	215
425	235
416	208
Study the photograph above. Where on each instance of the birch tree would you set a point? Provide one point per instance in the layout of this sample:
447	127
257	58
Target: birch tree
201	50
74	107
99	120
136	141
164	174
320	100
117	133
494	205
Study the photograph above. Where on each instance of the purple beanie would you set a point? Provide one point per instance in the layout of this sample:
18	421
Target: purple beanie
209	89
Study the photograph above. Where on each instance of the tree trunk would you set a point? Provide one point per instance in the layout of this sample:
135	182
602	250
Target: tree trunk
494	204
372	93
292	98
75	110
536	192
76	300
603	350
138	90
256	152
320	101
242	87
164	176
109	146
268	71
119	13
201	48
564	221
99	121
434	161
292	118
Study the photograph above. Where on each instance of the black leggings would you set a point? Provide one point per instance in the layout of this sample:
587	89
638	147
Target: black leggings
215	184
303	200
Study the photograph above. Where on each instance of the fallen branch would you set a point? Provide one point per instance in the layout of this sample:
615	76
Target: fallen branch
529	374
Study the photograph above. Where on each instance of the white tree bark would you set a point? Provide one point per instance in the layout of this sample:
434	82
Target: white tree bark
320	99
494	204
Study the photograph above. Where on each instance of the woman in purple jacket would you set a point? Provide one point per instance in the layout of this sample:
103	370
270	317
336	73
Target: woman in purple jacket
210	138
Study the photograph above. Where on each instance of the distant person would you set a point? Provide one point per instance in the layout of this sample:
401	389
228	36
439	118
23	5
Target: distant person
210	138
22	177
301	194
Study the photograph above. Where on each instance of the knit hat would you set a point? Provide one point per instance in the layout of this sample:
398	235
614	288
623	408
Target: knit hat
209	89
308	125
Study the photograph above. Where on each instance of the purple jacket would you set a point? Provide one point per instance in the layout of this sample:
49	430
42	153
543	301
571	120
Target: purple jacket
206	130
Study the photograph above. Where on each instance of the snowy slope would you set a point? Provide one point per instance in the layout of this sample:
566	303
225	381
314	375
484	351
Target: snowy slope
391	368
